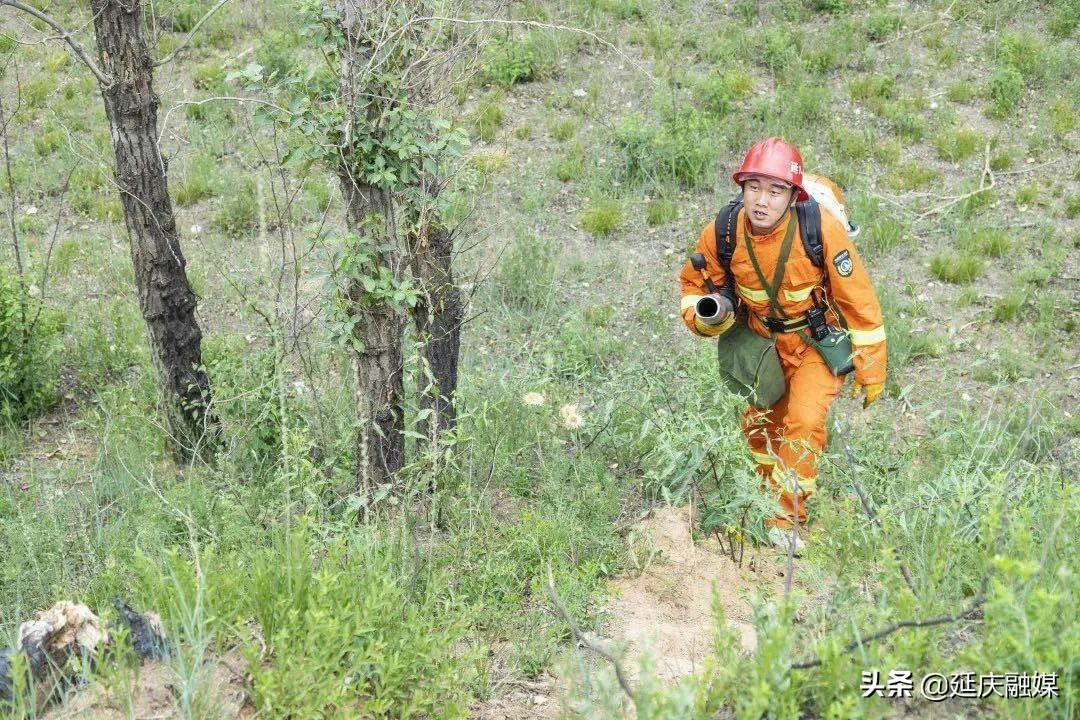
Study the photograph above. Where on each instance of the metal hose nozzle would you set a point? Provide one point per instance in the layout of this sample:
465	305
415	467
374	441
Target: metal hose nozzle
712	309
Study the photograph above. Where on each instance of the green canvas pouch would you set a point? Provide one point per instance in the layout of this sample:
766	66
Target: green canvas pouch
749	365
835	349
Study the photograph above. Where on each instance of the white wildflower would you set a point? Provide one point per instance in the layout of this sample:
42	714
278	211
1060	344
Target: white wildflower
532	398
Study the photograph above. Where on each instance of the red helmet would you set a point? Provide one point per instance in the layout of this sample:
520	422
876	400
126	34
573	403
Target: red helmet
776	158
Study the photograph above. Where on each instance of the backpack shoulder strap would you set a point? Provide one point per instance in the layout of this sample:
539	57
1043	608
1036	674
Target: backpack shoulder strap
725	243
809	214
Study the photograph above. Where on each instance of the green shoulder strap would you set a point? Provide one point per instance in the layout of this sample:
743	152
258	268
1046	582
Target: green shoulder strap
781	264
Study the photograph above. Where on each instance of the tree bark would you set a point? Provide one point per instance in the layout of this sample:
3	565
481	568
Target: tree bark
438	320
370	214
166	299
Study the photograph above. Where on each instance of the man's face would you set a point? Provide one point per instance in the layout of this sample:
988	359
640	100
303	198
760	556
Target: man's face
766	200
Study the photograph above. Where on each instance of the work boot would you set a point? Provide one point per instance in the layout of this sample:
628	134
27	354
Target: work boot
781	538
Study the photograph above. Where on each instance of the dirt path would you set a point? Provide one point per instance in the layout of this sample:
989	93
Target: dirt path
665	611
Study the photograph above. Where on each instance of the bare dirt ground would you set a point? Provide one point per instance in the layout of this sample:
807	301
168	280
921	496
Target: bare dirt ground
665	611
155	694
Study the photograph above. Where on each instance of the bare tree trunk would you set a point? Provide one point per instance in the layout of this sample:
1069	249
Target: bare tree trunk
438	319
370	213
165	297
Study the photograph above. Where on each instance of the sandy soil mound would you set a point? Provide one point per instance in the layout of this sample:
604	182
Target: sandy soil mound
154	694
667	610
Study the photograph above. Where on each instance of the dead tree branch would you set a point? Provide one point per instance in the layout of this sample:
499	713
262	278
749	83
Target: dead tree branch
620	674
66	36
187	41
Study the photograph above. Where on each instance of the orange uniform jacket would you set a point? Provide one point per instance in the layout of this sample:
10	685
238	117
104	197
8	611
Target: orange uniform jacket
843	278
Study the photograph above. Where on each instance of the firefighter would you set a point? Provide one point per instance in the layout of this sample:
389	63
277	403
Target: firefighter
786	438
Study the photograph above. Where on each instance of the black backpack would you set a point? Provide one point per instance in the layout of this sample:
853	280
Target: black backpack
808	213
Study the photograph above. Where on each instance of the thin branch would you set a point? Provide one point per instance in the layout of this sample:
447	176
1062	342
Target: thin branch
984	186
868	508
976	602
187	41
580	637
74	44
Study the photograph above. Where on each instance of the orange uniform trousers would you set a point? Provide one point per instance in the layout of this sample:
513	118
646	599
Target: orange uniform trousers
786	439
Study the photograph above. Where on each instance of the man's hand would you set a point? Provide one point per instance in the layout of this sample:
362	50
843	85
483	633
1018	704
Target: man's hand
873	391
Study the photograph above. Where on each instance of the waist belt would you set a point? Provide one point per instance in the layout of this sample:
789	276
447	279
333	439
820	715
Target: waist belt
775	324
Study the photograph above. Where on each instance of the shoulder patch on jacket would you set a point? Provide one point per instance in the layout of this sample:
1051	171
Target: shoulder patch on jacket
842	261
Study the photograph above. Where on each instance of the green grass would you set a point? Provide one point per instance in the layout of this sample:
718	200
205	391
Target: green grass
487	118
912	175
957	145
602	217
660	212
571	164
440	593
989	242
563	128
959	268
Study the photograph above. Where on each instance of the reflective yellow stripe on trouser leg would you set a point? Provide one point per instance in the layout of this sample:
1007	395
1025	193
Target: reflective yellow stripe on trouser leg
762	458
783	481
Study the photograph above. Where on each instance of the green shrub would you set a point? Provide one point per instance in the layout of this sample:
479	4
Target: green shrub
602	217
209	76
961	91
780	48
238	212
1061	118
276	52
829	6
563	128
1024	52
807	103
1006	308
524	278
1026	194
513	60
957	145
489	162
571	163
985	241
955	268
874	90
183	16
28	371
1001	161
36	90
717	93
1072	206
623	9
881	23
487	118
198	181
850	144
883	233
1005	88
681	148
346	615
50	139
906	124
911	175
660	212
1062	24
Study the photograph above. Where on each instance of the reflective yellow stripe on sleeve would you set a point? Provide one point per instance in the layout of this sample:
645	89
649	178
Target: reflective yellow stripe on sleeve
714	330
799	295
751	294
867	337
689	301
